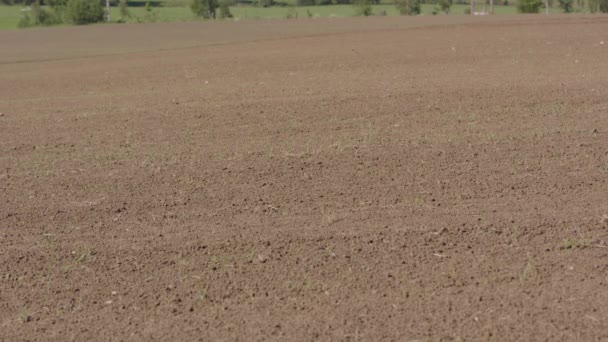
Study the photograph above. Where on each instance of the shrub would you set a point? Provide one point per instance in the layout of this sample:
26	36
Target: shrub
150	16
25	21
529	6
408	7
566	5
204	8
225	9
264	3
38	16
124	10
81	12
56	4
363	7
445	5
305	2
292	13
602	5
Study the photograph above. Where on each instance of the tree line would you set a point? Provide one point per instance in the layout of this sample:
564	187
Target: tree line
79	12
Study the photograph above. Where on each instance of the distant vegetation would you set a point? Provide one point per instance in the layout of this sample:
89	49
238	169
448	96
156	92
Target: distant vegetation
82	12
204	8
408	7
529	6
27	13
57	12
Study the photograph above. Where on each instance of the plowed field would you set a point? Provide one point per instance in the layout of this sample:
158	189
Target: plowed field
354	179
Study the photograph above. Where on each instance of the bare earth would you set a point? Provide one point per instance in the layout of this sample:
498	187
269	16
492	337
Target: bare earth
390	179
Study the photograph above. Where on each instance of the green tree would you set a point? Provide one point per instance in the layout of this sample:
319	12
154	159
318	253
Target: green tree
56	3
363	7
82	12
225	9
124	10
445	5
529	6
408	7
264	3
204	8
601	5
37	16
566	5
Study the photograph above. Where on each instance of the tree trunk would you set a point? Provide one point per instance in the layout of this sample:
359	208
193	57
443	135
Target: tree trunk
491	6
108	10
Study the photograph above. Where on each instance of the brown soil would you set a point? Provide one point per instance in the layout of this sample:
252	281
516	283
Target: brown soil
340	179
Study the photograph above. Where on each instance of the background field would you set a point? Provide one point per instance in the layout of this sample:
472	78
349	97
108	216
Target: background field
179	11
427	178
9	16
